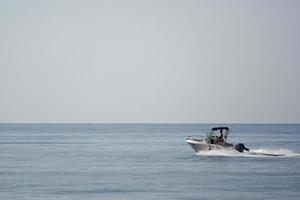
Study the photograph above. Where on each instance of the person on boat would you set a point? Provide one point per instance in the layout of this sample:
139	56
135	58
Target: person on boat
220	139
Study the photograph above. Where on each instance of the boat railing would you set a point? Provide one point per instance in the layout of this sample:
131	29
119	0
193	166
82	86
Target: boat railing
201	138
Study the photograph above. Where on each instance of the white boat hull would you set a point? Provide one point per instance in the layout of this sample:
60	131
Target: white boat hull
203	146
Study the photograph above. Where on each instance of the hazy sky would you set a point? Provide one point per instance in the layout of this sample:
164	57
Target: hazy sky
150	61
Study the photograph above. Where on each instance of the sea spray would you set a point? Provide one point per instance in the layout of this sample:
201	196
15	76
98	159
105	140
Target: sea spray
261	152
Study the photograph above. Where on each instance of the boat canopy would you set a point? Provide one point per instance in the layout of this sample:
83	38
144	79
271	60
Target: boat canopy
220	128
217	133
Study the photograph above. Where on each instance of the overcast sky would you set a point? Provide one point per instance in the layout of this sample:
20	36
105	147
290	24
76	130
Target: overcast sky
150	61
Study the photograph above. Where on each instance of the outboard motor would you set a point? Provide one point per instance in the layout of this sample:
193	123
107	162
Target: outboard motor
240	147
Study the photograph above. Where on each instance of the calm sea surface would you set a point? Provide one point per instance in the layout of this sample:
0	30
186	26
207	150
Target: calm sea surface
145	161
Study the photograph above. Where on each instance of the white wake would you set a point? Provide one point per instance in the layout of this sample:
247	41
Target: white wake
252	153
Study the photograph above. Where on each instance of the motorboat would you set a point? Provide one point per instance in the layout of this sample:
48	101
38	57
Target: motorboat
216	139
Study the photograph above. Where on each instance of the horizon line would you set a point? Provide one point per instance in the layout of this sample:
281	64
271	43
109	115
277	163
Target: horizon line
140	123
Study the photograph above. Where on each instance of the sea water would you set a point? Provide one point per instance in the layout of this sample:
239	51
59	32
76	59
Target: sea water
146	161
